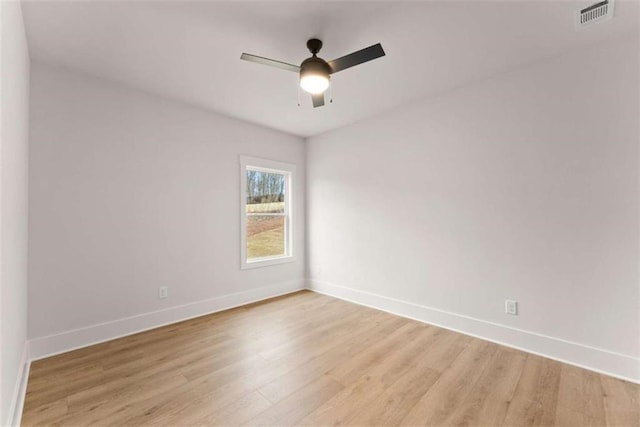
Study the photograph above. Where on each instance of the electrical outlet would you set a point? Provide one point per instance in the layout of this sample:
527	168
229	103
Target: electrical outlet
163	292
511	307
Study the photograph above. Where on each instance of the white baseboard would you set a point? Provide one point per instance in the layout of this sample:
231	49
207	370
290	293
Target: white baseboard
94	334
595	359
14	417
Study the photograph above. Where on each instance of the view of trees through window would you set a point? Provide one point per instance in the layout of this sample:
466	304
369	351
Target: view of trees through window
266	214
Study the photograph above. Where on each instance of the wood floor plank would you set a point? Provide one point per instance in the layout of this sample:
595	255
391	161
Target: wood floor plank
127	391
391	407
394	403
324	358
45	414
446	349
582	392
536	396
526	413
336	324
438	406
236	413
621	402
291	410
306	358
567	417
378	376
352	369
114	408
488	401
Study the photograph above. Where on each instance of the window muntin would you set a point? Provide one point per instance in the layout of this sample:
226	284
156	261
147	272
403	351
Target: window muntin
266	212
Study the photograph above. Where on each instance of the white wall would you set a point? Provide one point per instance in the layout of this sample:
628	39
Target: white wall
524	187
130	192
14	125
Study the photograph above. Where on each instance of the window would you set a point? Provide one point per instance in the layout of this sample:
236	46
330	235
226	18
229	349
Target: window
266	212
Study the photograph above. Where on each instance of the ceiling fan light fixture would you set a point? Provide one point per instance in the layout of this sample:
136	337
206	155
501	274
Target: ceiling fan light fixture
314	75
314	84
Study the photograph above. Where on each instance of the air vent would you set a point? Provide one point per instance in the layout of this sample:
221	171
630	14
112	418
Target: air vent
595	13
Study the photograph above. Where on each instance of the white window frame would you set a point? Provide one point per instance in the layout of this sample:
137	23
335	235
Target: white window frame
264	165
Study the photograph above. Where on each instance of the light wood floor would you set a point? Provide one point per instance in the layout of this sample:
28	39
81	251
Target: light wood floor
308	359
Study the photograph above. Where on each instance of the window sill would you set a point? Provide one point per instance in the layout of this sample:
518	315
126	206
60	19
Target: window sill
265	262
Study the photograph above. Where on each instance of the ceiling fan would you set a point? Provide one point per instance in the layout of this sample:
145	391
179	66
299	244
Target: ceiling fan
315	72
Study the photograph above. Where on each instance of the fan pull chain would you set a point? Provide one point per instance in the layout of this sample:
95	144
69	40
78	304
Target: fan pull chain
330	92
298	95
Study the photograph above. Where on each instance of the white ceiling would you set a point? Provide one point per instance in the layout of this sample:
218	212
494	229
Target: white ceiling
189	50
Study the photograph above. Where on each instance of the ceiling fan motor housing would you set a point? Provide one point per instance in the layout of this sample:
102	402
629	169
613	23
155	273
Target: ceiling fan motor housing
315	66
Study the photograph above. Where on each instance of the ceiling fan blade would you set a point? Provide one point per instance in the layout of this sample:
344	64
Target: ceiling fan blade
356	58
318	100
270	62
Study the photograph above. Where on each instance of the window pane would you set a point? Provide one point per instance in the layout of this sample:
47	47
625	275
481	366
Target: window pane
265	235
265	210
266	189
